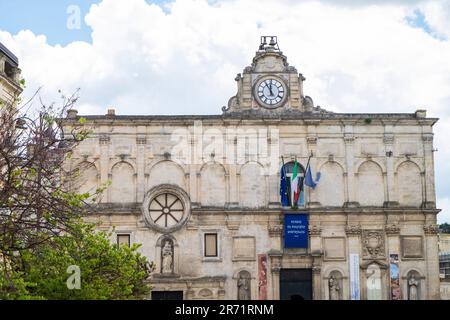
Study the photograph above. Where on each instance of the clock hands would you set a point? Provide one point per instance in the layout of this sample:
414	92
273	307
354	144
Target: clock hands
270	89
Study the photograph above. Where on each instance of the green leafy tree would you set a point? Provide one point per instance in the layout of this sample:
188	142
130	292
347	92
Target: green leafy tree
41	228
107	271
444	228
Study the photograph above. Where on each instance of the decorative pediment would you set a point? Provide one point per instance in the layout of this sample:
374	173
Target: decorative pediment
270	86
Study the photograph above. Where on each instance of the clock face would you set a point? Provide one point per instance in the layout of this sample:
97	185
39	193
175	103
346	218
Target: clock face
271	92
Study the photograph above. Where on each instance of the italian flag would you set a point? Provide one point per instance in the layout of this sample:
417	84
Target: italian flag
295	189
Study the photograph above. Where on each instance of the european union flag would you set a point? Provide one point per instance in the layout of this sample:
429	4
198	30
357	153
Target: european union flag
309	181
284	188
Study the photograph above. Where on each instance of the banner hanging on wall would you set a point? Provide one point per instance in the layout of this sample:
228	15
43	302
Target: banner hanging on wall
262	276
354	277
296	230
395	280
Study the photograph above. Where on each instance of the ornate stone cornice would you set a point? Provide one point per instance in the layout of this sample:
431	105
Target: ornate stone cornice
431	229
353	230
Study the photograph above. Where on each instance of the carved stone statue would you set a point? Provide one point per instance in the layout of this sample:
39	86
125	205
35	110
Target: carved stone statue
333	286
243	287
413	292
167	257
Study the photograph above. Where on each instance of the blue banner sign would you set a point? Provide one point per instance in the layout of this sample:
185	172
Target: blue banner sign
296	230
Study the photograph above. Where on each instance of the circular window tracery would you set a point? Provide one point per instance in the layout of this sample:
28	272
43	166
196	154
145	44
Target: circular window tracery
166	208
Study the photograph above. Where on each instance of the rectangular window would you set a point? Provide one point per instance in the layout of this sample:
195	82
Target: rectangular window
123	239
211	245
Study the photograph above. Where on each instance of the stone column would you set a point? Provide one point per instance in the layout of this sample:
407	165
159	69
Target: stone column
104	141
275	262
391	199
317	283
349	161
430	197
353	232
315	233
141	142
393	244
311	140
432	259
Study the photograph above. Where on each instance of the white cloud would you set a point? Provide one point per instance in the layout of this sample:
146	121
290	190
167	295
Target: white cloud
357	57
444	215
437	15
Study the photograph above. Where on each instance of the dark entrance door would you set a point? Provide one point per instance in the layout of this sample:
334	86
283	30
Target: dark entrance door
295	284
167	295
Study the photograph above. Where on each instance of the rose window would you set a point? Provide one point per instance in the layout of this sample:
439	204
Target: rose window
166	210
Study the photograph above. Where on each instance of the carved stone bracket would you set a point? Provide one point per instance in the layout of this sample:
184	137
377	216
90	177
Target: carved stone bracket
275	230
141	140
349	138
316	269
353	230
427	138
311	140
431	229
388	138
392	229
104	139
315	230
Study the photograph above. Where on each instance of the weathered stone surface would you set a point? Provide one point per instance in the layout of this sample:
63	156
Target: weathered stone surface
376	195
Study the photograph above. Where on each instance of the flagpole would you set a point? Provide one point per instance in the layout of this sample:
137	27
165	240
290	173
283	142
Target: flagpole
304	177
288	187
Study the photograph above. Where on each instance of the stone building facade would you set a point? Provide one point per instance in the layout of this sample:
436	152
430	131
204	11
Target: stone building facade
202	194
9	75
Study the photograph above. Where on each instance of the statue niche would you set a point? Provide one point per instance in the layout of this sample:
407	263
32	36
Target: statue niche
243	285
413	280
167	257
335	286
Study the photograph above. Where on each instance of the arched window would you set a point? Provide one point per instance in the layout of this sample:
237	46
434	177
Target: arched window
289	171
289	168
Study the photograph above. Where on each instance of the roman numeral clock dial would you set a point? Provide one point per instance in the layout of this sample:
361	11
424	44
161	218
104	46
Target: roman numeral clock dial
270	92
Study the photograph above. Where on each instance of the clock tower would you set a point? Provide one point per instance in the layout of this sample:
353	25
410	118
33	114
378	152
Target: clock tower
270	85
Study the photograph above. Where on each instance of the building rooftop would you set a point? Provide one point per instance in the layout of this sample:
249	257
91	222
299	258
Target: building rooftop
9	54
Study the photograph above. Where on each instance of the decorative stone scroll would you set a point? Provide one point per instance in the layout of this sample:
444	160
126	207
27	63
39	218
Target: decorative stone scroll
373	244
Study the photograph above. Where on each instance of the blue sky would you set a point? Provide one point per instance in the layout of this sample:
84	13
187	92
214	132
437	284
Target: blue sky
49	18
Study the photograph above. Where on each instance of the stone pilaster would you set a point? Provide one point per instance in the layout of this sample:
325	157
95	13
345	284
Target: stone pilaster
391	199
349	139
141	142
432	259
104	141
430	196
